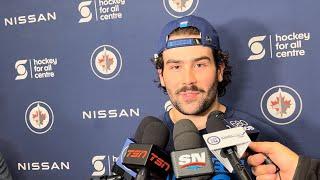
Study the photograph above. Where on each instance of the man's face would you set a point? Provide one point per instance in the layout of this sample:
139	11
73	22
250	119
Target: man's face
190	77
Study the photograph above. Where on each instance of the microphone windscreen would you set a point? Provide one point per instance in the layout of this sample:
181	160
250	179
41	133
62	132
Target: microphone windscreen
140	129
186	135
215	122
156	133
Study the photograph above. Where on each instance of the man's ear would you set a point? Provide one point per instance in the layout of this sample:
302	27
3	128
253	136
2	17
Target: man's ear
160	74
220	71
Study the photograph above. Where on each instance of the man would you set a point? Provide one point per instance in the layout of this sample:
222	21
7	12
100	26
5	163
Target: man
4	170
194	72
291	166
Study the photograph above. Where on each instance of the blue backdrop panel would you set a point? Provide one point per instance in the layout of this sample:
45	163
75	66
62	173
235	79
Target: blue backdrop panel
76	78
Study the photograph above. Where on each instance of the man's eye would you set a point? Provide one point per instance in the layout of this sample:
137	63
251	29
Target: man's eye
175	67
200	65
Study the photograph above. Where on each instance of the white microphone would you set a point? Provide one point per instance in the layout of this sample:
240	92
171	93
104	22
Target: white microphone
228	145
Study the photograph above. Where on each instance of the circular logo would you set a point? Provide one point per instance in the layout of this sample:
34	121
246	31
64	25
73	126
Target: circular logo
213	140
179	8
106	62
281	105
39	117
98	165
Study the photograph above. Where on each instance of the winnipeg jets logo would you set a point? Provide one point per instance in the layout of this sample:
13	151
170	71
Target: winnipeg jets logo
39	117
179	8
106	62
180	5
281	105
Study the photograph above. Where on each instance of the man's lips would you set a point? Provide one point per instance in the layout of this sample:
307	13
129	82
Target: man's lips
189	92
188	95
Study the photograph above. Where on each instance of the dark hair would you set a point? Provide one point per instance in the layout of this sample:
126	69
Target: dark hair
219	57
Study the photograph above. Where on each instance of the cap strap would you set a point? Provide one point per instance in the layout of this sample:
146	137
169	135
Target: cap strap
183	42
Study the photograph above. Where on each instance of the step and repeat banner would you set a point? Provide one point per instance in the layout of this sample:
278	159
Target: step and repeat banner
76	77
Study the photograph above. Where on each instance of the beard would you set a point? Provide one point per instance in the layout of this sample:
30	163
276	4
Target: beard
203	105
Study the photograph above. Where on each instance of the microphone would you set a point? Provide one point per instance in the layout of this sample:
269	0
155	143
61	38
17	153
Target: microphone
252	132
227	139
141	129
146	157
120	171
189	159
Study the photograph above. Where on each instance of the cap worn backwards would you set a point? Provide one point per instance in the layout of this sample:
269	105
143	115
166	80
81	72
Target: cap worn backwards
209	36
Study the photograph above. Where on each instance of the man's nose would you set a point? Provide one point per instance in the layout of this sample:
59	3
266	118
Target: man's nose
189	77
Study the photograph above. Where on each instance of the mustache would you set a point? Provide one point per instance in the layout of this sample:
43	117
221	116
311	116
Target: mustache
189	88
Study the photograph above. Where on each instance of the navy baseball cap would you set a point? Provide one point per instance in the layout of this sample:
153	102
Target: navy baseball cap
209	36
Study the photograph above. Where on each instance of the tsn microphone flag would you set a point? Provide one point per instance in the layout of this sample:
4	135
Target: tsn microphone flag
122	155
227	138
147	155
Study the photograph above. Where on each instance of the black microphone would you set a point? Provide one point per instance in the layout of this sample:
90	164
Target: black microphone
142	130
190	160
146	157
216	122
120	171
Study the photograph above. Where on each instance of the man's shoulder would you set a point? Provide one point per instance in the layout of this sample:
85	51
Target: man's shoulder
265	130
241	118
236	114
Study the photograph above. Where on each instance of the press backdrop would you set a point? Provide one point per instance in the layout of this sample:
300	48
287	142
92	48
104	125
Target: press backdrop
76	77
